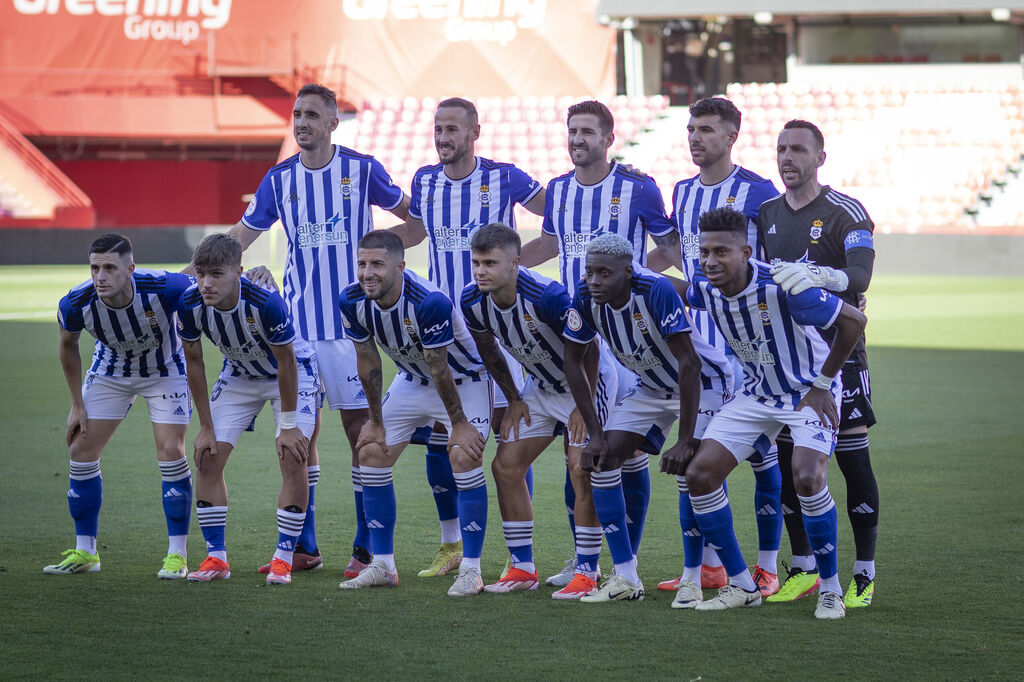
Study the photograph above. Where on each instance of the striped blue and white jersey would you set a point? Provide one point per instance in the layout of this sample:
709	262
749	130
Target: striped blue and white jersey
624	203
138	340
245	333
638	332
423	317
452	209
743	191
324	212
531	329
774	334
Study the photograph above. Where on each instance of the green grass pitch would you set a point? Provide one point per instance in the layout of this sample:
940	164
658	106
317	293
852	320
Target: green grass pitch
947	359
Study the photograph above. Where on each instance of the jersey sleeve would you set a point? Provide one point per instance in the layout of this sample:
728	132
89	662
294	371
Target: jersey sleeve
262	213
276	323
667	307
68	317
652	210
761	192
548	224
467	302
177	284
695	292
554	307
522	188
814	307
579	323
434	317
859	238
383	191
416	197
187	327
350	320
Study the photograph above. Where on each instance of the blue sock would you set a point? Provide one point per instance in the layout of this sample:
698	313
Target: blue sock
289	526
610	506
307	538
768	502
212	521
519	540
588	549
472	512
529	480
714	518
380	507
362	538
636	489
176	485
570	501
85	497
693	541
442	481
822	526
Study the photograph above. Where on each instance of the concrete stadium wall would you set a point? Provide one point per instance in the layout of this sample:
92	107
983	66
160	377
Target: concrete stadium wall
997	255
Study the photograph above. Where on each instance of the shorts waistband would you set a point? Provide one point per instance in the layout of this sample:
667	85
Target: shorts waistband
426	382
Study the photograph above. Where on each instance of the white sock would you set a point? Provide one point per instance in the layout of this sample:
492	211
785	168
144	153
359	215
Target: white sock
450	531
831	585
468	562
387	559
691	574
743	581
628	571
768	560
86	542
222	555
805	562
710	558
864	567
177	544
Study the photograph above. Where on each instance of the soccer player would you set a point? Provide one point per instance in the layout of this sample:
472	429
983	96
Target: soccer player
526	314
130	313
712	131
440	378
816	236
322	196
789	381
601	196
640	315
450	201
263	361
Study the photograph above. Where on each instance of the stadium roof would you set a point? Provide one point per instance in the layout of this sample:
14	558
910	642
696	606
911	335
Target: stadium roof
670	9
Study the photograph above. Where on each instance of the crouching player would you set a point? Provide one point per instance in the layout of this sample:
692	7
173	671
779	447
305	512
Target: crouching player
790	380
439	378
526	313
131	314
263	361
640	315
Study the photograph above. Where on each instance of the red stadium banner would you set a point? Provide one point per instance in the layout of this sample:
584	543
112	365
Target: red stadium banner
366	47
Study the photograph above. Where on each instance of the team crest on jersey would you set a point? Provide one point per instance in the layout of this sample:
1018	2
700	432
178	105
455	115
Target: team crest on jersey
816	229
151	317
250	321
251	208
574	322
485	195
766	316
530	324
615	207
409	329
731	200
346	187
641	324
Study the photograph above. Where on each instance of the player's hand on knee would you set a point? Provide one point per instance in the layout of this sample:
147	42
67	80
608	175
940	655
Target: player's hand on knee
77	425
465	436
577	428
823	404
291	443
593	453
517	411
675	460
204	448
372	433
261	277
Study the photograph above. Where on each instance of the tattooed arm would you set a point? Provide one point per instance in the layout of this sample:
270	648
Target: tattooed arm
463	434
371	376
667	251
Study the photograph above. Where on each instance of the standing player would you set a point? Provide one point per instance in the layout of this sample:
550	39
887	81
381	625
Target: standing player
439	378
130	312
526	313
789	381
322	196
450	201
601	196
640	316
712	131
263	361
816	236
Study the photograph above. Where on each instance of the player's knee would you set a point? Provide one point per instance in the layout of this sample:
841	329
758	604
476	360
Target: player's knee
372	455
807	481
461	461
505	470
701	477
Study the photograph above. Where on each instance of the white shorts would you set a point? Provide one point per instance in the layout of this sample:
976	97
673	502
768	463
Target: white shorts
167	398
744	426
652	415
336	359
408	405
235	402
550	411
518	376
